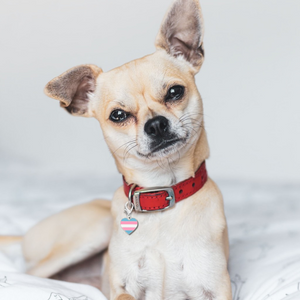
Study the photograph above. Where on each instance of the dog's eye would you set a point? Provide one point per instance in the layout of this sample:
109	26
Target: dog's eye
118	115
175	93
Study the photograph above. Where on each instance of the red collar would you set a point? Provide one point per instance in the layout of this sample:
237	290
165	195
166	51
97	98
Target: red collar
161	198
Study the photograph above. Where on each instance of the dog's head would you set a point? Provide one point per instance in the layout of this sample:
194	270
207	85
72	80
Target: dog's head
149	108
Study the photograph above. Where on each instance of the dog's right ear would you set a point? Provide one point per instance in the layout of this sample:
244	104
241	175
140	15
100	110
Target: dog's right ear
74	89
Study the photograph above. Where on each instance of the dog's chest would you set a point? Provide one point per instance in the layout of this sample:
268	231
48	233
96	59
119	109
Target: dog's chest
169	252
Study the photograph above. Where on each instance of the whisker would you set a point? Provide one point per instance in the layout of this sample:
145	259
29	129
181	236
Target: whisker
129	145
129	142
171	169
127	153
192	128
190	114
158	163
192	122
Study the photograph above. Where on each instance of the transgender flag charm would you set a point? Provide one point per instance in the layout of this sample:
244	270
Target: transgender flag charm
129	225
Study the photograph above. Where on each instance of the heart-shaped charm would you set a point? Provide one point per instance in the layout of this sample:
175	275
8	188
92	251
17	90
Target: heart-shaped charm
129	225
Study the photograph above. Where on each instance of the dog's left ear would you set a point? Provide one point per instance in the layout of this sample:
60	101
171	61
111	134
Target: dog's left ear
181	32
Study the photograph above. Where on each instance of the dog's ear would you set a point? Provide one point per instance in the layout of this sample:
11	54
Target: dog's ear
181	32
74	89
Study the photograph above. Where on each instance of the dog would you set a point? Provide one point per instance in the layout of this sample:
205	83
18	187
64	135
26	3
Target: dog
165	229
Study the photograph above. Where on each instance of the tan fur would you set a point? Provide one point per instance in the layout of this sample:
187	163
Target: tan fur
182	252
7	240
74	229
125	297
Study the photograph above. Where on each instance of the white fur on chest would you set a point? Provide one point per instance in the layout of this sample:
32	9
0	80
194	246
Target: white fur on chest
173	254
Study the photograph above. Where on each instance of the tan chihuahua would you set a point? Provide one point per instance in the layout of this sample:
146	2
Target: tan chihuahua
151	114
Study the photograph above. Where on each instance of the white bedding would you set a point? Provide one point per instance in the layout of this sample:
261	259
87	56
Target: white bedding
264	228
18	286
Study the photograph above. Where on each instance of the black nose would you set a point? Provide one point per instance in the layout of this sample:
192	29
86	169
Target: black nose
157	127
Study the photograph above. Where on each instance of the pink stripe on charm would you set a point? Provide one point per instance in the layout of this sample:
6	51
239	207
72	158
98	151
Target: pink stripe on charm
126	222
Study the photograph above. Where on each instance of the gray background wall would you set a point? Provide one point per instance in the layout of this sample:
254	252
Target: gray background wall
249	81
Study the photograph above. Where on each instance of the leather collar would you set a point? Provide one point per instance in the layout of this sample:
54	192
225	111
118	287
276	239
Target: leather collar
162	198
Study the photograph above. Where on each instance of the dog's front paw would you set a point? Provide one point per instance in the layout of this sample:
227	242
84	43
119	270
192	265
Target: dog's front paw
125	297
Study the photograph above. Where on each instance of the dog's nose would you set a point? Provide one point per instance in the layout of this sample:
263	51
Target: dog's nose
157	127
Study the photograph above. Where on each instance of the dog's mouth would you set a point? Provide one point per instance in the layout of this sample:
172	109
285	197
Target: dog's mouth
165	147
165	144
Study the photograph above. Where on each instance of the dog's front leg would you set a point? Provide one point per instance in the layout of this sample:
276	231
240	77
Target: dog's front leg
224	291
118	285
125	297
140	276
153	275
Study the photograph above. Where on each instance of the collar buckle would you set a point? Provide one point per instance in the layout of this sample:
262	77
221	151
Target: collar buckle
136	197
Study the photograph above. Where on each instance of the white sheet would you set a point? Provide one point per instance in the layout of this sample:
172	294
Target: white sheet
264	228
15	285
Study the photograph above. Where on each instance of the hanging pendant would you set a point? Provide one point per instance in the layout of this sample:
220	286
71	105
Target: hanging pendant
129	225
